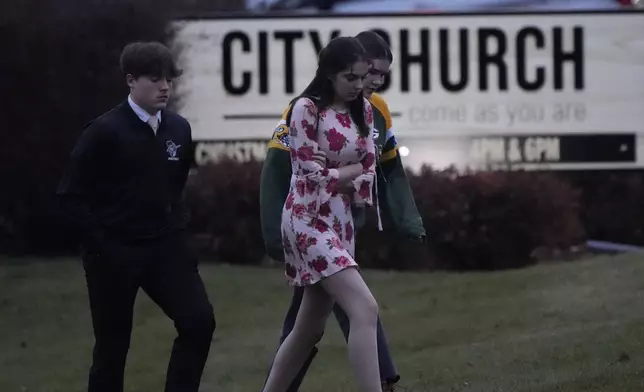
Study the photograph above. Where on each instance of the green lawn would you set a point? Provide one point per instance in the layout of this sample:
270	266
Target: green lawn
559	327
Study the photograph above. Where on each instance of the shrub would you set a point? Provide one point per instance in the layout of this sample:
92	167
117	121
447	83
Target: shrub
223	198
485	220
61	69
488	220
612	204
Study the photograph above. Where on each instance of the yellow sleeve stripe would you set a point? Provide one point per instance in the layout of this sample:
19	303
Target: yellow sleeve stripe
278	145
380	104
280	137
389	155
281	133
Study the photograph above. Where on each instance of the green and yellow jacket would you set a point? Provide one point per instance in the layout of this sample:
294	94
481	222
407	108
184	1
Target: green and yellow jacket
398	208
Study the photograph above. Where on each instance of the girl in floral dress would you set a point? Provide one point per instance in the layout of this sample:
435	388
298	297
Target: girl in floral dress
331	118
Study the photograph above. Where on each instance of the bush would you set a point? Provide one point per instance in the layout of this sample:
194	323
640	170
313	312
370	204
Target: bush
486	220
223	198
59	79
61	69
612	204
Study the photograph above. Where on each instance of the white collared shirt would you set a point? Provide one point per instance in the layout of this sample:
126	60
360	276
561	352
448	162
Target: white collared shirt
143	115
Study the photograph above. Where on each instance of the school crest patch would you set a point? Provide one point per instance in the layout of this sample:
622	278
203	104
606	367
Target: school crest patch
281	138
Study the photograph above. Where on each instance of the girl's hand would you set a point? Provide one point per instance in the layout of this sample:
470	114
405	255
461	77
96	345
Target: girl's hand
320	157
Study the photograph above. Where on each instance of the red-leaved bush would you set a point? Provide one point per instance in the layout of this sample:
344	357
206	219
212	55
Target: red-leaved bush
612	204
223	199
488	220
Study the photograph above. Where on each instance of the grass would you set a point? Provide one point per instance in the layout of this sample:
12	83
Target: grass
559	327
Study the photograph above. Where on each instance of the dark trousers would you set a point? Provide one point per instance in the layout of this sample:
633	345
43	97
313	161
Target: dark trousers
166	270
388	372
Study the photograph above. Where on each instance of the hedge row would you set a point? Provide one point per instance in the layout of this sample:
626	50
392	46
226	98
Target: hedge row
613	208
486	220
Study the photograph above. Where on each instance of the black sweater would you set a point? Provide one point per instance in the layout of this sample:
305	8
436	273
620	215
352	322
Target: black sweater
122	182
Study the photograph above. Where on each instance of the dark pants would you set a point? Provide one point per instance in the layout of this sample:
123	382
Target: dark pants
388	372
166	270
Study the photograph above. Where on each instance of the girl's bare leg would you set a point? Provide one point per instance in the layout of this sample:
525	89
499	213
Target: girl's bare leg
309	326
350	291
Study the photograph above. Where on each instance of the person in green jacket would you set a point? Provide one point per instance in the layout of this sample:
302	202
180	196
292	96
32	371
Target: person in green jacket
396	200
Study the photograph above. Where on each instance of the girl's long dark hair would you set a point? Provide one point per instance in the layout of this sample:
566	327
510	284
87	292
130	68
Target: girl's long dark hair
340	54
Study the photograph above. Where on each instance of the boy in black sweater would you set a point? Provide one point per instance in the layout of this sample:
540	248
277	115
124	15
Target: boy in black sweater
122	190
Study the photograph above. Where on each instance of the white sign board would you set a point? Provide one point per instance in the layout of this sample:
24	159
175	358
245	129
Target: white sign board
453	76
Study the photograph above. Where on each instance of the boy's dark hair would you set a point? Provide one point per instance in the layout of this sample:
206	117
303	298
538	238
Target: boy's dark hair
375	45
152	59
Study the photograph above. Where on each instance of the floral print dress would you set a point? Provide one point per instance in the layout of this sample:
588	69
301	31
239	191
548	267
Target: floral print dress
317	223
